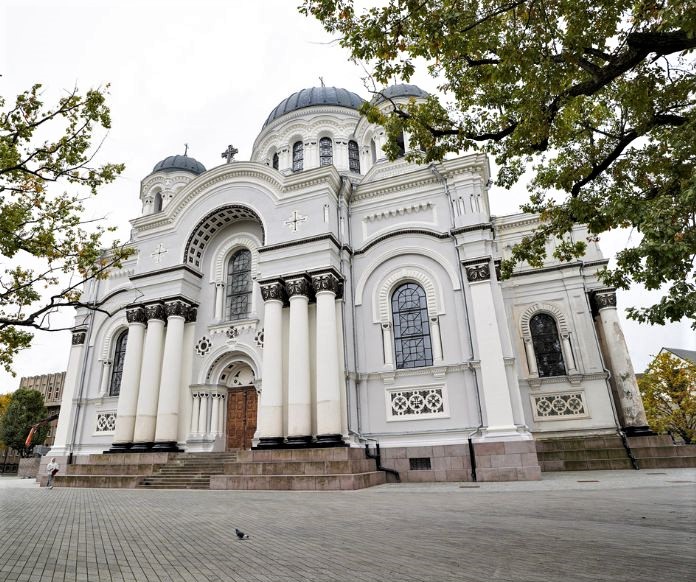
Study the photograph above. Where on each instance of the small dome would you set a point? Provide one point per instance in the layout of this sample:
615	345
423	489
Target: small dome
316	96
185	163
401	90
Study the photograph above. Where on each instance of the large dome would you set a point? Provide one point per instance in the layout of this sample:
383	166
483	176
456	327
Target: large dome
316	96
172	163
400	90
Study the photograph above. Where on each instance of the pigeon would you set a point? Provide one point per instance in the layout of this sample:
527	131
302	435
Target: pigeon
240	534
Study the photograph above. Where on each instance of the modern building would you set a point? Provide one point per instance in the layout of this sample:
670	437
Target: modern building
320	295
51	387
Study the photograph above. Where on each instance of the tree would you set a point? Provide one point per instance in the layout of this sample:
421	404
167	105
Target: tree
4	403
668	389
48	250
598	96
25	409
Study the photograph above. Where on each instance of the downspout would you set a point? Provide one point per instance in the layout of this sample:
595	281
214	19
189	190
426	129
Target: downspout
378	457
443	180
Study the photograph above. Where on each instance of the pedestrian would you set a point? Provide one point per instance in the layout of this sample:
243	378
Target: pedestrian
52	468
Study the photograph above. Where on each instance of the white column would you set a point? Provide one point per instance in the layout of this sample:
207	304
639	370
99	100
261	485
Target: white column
172	360
623	376
222	414
146	418
387	343
215	416
269	431
568	354
130	380
435	340
72	379
185	399
203	427
531	357
341	155
328	405
195	413
219	301
494	384
105	377
299	390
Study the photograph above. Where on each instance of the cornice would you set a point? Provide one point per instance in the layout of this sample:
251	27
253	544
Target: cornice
401	232
186	268
560	267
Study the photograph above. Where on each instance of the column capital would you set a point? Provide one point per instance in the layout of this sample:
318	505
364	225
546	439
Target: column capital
327	281
136	315
273	290
155	311
191	314
79	336
479	270
176	309
298	286
604	298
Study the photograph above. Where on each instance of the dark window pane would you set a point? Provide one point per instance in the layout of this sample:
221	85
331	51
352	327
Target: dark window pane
412	341
117	366
547	345
297	156
239	286
275	161
353	157
325	151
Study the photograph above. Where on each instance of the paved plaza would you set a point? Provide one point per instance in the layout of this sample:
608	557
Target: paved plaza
613	526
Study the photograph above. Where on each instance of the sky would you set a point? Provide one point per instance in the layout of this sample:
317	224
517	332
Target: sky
207	74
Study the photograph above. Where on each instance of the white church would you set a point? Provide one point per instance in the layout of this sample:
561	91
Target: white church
320	297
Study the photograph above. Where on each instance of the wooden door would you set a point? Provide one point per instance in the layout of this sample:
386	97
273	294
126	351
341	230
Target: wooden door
242	405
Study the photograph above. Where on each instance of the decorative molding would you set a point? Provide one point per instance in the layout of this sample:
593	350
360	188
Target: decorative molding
417	403
136	315
298	286
273	290
559	406
258	338
478	272
155	311
167	270
474	228
327	281
203	346
604	298
404	275
569	265
106	422
191	314
301	241
401	232
79	336
232	245
549	308
400	211
112	332
176	309
573	380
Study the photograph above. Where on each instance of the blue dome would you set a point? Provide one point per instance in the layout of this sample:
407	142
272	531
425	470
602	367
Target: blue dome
401	90
185	163
316	96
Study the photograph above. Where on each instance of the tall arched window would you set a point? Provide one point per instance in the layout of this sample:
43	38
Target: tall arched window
297	156
117	369
325	151
547	345
275	161
412	342
239	285
353	157
157	206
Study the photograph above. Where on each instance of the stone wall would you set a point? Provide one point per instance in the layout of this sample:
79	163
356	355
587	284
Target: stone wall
29	467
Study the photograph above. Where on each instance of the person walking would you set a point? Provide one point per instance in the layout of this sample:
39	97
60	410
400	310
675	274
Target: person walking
52	469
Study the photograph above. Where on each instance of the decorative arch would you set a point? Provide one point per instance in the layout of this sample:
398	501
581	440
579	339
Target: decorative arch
405	275
552	310
110	335
222	357
219	261
212	223
384	257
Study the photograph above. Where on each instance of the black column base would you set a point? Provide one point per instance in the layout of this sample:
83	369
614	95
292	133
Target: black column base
329	440
141	447
119	448
166	447
638	431
270	443
298	442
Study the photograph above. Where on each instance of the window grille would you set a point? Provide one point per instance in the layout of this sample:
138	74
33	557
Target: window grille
119	358
547	345
239	285
297	156
411	328
325	151
419	463
353	157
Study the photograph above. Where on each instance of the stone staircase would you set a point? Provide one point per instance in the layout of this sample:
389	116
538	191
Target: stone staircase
593	453
322	469
187	471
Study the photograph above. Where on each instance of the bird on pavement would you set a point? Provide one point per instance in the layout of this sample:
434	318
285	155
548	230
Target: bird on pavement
240	534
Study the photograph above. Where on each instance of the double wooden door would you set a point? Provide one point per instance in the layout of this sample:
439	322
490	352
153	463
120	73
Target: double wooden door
242	407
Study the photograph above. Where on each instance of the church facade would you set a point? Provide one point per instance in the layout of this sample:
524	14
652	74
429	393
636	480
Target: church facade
319	295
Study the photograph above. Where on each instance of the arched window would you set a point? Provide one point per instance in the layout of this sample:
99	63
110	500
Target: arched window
547	345
401	144
297	156
117	369
157	206
411	328
325	151
373	150
239	285
353	157
275	161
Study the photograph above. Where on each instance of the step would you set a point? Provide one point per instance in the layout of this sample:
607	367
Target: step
300	467
105	481
583	454
687	451
586	465
666	462
344	482
318	454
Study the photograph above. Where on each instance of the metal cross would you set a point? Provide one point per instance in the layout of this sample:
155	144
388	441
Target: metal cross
293	221
229	153
159	251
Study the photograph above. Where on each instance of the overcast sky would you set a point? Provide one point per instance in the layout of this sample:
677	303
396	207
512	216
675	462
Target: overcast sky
206	73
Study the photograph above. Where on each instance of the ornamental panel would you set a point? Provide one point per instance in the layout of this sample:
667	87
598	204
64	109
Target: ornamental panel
106	422
417	403
561	405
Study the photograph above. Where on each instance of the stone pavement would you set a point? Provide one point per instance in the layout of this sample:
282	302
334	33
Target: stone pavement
609	525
